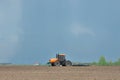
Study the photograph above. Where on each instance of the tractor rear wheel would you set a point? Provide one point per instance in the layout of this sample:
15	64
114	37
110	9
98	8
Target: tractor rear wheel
68	63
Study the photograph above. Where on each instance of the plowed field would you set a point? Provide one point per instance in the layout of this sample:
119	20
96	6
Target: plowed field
59	73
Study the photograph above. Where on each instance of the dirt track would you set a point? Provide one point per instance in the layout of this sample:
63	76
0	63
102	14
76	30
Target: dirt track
59	73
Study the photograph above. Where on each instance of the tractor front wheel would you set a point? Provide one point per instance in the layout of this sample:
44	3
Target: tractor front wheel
57	63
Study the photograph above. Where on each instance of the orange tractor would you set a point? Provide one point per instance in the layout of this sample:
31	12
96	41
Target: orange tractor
60	60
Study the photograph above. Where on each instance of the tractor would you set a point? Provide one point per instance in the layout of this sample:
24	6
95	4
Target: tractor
60	60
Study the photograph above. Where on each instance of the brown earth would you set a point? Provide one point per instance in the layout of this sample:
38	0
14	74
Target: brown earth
59	73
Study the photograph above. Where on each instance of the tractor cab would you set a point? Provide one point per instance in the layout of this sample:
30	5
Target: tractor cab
60	57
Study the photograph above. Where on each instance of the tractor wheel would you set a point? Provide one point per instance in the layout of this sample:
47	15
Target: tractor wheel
57	63
68	63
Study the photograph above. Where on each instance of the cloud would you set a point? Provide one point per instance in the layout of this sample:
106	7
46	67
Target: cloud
10	28
78	30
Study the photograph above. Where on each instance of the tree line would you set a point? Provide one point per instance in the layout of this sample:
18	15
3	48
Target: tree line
102	62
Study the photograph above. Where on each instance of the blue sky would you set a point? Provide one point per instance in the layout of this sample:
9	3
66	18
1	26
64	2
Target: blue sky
35	30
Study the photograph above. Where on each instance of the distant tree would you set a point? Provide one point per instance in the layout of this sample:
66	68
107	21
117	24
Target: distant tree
110	63
102	61
117	62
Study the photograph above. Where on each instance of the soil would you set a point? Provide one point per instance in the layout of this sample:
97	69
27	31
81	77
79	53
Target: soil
59	73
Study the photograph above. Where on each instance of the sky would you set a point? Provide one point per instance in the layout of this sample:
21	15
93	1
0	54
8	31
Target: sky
36	30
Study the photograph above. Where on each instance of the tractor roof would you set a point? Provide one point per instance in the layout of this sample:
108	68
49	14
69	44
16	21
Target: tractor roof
62	54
